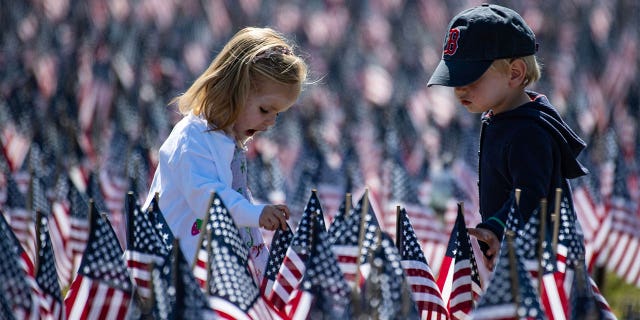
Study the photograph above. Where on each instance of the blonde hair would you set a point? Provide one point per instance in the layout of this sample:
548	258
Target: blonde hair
220	92
533	68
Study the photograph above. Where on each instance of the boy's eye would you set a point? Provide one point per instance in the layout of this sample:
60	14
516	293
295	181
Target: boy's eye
263	110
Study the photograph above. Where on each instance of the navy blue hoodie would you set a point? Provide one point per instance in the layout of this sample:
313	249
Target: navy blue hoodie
530	148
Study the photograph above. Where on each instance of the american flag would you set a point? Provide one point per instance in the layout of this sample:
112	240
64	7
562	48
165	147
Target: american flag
624	238
459	280
59	230
143	247
217	221
15	145
323	292
279	245
339	224
20	217
102	288
595	222
50	295
160	225
16	283
79	224
510	294
231	290
571	260
175	292
552	294
425	291
347	244
386	293
586	300
293	265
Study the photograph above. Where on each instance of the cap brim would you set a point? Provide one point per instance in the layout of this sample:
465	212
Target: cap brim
458	73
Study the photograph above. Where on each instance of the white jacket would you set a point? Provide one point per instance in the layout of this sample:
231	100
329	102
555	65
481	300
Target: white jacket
193	162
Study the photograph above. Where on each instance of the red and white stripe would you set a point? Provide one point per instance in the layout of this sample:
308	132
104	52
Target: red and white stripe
227	310
60	231
139	265
50	307
15	146
347	256
90	299
464	292
425	291
23	226
594	222
624	241
288	279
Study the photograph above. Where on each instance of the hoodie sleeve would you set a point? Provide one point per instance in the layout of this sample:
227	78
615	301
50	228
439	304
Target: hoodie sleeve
529	164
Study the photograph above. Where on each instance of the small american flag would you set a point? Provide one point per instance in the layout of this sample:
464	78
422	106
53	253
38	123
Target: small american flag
386	293
51	304
160	225
339	225
20	217
586	300
143	247
279	245
459	280
323	292
510	294
346	244
293	265
59	230
15	282
231	290
102	289
419	275
217	222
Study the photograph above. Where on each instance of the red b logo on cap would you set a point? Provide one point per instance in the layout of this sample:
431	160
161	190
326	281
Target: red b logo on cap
452	42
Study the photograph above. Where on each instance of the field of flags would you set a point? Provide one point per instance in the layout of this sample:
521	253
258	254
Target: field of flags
61	258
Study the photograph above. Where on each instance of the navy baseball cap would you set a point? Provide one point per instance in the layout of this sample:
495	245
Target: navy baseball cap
478	36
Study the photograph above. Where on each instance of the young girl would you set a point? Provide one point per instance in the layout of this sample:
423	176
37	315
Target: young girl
255	77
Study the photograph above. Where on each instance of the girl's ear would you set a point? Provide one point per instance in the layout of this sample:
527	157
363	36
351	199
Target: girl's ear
517	72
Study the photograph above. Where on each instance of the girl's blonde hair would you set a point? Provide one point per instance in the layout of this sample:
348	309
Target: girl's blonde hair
220	92
533	68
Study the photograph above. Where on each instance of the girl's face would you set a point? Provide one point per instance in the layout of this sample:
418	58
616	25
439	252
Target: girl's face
263	106
490	92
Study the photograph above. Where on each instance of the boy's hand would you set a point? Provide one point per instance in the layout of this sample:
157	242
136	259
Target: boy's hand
493	244
274	216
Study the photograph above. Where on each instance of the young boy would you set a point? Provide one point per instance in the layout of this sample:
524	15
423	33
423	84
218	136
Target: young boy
489	59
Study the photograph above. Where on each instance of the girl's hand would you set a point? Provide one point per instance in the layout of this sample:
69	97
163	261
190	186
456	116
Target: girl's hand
491	240
274	216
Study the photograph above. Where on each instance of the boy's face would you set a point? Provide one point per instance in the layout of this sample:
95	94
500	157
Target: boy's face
263	106
490	92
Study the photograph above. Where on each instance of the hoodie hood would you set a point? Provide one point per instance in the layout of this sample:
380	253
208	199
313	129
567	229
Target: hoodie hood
541	110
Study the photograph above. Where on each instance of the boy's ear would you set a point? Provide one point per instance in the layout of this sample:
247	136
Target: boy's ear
517	72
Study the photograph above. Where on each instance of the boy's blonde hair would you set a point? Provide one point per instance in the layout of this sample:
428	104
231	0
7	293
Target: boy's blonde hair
220	92
533	68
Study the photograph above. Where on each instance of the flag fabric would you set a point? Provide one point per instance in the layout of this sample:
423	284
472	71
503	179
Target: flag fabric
143	247
510	294
231	290
346	245
16	282
50	295
59	230
551	291
595	222
323	292
160	225
424	288
293	266
386	293
339	223
102	288
20	218
175	294
279	245
623	241
458	279
79	224
586	299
